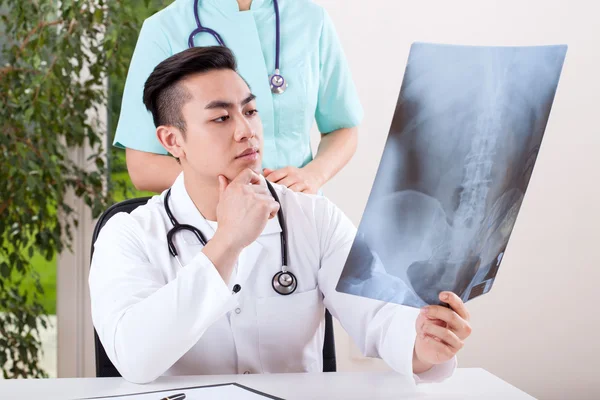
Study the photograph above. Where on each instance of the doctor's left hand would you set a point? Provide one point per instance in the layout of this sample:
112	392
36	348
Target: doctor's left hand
441	332
297	179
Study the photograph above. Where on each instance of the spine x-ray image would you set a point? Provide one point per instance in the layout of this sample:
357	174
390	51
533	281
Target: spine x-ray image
456	164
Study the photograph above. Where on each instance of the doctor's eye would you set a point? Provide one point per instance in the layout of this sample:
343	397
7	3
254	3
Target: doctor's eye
252	112
221	119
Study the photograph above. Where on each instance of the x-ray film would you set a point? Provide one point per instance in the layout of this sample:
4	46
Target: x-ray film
459	155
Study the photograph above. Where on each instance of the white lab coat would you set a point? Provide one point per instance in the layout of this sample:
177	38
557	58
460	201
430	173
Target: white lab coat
156	318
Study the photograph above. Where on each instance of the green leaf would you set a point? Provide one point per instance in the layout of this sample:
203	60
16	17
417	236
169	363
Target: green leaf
4	270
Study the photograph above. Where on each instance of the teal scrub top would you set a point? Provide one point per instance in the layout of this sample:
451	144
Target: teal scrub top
312	61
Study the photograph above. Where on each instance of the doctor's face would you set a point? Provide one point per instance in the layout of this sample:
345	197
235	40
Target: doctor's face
223	130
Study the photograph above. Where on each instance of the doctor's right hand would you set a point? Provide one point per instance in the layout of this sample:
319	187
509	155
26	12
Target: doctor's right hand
245	206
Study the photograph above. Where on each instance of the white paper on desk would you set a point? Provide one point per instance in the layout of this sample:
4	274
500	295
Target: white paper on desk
216	392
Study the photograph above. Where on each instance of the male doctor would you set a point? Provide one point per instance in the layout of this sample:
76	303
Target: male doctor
214	309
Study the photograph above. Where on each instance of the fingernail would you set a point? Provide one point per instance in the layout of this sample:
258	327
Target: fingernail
445	296
424	310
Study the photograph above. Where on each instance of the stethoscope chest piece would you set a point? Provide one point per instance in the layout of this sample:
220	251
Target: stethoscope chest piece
284	282
278	83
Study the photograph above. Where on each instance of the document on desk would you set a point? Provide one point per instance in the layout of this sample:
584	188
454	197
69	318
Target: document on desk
211	392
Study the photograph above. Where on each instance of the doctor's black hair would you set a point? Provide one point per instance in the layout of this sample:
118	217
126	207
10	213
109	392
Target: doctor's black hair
164	97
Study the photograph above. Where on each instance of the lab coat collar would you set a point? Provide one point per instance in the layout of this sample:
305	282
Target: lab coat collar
185	211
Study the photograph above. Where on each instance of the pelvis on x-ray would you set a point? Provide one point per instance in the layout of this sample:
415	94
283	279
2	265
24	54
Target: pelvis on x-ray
460	152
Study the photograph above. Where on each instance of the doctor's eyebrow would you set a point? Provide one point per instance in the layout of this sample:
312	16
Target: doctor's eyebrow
225	104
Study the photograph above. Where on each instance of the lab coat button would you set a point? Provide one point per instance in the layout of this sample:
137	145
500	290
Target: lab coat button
238	310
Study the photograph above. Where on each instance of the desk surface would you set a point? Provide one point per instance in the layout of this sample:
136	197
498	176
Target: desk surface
467	383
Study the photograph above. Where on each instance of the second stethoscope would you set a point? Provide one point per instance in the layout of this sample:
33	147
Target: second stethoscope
283	282
276	80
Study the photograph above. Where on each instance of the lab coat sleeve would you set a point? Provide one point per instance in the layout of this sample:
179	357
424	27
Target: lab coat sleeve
338	105
135	129
379	329
144	322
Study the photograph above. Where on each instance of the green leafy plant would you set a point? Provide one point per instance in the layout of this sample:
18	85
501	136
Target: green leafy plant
56	59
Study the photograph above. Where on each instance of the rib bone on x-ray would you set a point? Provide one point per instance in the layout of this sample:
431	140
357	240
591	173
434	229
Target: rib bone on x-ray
456	164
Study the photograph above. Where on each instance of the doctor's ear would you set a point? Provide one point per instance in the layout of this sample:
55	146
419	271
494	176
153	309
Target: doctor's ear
171	138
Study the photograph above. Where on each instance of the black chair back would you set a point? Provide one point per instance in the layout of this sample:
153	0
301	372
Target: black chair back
105	368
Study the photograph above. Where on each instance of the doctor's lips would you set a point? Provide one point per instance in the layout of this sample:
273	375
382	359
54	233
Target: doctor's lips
250	154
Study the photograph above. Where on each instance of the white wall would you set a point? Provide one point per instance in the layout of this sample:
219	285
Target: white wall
539	327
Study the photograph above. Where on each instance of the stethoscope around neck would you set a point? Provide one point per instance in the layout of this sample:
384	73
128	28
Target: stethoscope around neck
283	282
277	82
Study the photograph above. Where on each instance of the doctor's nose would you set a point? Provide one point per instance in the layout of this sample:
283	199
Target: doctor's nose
244	130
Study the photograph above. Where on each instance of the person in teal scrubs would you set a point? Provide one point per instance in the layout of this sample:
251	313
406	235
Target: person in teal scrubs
319	87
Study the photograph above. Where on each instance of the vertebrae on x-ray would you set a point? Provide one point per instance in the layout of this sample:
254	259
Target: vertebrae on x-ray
464	138
444	252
